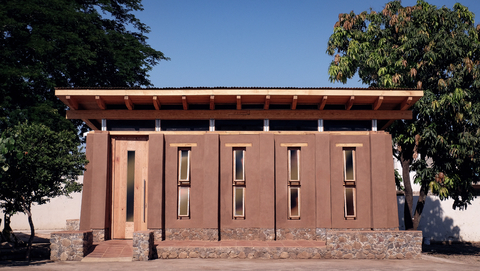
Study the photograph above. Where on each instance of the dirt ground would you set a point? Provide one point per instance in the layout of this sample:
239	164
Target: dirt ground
458	251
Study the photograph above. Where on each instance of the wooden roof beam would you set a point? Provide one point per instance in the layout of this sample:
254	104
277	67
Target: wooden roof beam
212	102
349	104
406	103
378	103
72	103
128	103
300	114
387	124
100	102
267	102
184	102
323	103
91	125
156	103
294	102
239	102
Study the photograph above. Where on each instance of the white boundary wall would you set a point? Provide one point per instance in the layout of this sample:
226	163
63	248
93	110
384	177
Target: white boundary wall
439	222
49	216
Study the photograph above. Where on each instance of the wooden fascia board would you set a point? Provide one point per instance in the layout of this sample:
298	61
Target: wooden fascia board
378	103
235	92
349	104
100	102
294	102
156	103
72	102
240	114
267	102
129	103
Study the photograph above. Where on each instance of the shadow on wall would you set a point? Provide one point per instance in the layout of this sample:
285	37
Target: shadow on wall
433	223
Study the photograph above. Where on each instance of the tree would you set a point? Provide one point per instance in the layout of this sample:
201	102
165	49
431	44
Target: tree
38	164
430	48
68	43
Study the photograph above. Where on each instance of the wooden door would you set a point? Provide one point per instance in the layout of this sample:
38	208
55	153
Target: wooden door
130	184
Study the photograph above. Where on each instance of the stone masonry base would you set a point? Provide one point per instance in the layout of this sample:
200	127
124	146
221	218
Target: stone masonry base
251	234
70	245
192	234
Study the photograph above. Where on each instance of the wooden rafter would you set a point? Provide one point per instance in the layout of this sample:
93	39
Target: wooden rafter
349	104
267	102
90	124
240	114
378	103
184	102
212	102
387	124
156	103
239	102
323	103
406	103
100	102
294	102
72	102
129	103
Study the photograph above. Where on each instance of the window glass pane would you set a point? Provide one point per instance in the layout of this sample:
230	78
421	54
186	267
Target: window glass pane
239	201
238	167
348	166
130	184
349	201
183	201
294	164
184	164
294	202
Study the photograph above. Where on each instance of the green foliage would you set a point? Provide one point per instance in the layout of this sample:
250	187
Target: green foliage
37	164
437	50
69	43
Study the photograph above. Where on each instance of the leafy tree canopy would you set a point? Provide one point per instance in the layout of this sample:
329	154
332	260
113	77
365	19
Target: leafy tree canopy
437	50
69	43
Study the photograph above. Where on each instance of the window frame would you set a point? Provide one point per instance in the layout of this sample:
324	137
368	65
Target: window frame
354	201
179	215
235	180
290	216
235	188
179	165
289	167
345	180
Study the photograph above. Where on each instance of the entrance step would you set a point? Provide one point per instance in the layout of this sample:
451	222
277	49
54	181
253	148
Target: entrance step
111	251
292	249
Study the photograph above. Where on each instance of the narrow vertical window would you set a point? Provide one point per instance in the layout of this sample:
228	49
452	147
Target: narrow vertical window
349	164
183	182
350	202
294	164
183	201
239	201
238	165
349	183
184	165
130	184
294	202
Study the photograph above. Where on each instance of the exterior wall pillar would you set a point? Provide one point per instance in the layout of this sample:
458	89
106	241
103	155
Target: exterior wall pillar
155	186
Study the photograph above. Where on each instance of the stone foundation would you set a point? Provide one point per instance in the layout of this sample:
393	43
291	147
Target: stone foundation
70	245
157	235
250	234
241	252
98	235
375	244
143	245
296	234
72	225
191	234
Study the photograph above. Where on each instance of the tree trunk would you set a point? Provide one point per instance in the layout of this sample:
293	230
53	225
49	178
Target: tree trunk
26	209
420	204
407	212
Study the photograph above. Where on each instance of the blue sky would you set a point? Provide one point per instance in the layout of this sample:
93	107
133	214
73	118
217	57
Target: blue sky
250	43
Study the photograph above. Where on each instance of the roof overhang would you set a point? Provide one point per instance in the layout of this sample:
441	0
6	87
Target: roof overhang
93	104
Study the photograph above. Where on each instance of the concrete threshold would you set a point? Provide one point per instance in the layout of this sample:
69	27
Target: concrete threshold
104	260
